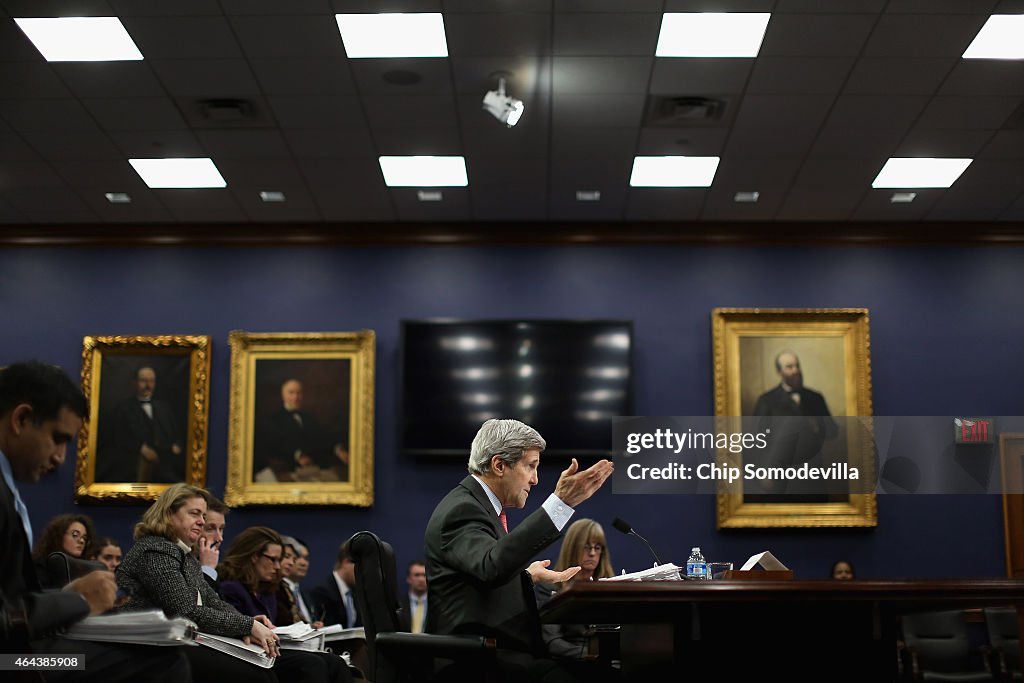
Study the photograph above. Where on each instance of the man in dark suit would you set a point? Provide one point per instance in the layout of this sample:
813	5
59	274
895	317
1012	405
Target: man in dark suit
480	575
41	410
334	601
291	440
798	417
415	617
147	442
207	549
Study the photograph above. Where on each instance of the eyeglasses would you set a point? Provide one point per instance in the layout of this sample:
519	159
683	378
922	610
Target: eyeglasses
273	559
596	548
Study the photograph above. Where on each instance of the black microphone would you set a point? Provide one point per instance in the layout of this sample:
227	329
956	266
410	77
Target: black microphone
623	526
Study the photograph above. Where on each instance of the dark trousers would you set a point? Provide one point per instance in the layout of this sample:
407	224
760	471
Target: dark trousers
212	666
303	666
116	662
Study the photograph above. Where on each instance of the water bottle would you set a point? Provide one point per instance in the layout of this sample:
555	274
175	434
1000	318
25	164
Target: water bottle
696	567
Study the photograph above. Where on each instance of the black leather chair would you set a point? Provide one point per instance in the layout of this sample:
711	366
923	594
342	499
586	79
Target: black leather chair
939	649
397	656
62	569
1004	637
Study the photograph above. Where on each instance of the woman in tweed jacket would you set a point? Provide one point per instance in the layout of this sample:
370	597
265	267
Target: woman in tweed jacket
160	572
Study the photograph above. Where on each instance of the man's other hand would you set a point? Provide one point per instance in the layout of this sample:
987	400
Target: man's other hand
574	486
540	573
99	588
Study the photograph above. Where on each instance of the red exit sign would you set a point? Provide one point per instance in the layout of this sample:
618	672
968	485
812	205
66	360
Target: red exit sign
974	429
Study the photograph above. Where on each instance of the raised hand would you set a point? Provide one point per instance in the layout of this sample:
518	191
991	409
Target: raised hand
575	486
540	573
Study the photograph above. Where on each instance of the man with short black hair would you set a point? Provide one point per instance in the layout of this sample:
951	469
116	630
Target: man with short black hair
208	547
335	600
414	603
41	411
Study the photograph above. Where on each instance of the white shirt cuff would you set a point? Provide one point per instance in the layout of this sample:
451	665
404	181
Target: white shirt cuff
558	511
209	571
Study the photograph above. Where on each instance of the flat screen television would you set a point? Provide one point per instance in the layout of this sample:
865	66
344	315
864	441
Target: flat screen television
568	379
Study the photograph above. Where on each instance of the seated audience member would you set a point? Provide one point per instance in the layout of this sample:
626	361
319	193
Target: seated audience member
414	603
298	572
207	551
287	607
248	581
334	599
107	551
584	546
69	534
161	572
295	552
41	410
842	570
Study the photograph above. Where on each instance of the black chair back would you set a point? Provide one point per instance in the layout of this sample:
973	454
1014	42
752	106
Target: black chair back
376	593
939	645
1004	636
62	569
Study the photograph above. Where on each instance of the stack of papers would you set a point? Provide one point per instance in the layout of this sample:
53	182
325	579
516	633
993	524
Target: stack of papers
336	632
661	572
151	627
236	648
300	636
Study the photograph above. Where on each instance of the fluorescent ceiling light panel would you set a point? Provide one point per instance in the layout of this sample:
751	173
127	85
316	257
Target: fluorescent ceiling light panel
80	39
674	171
178	173
920	172
1002	37
711	34
393	35
424	171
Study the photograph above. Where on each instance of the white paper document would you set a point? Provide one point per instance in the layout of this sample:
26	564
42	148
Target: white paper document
150	627
767	561
662	572
236	648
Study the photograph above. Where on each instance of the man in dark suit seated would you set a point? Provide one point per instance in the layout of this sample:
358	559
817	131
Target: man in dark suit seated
41	410
479	574
334	601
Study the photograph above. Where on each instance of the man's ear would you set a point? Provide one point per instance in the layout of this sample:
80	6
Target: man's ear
497	464
20	417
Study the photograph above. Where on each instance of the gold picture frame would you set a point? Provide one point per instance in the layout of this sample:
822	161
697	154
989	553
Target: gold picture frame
128	452
746	343
301	418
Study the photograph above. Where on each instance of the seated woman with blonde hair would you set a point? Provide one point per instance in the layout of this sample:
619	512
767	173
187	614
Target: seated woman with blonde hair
160	572
584	546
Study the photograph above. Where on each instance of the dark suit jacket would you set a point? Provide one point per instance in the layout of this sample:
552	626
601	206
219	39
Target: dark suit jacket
327	602
132	428
405	615
476	578
280	435
239	597
20	586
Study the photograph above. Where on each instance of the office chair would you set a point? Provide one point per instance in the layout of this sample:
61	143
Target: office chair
1004	637
62	569
397	656
939	650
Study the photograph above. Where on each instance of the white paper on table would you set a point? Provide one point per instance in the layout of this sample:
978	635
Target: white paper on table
766	560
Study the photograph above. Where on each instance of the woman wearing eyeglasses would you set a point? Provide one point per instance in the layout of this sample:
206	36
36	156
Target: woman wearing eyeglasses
160	572
584	545
249	575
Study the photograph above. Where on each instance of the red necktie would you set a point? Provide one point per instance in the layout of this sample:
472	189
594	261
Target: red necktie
504	521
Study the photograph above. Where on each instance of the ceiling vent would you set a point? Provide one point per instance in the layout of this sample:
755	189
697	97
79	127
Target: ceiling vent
226	112
686	110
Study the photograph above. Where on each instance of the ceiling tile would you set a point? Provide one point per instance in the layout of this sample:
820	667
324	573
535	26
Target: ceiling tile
868	112
524	201
816	35
602	75
799	76
30	80
967	112
245	144
992	172
15	45
844	6
685	141
526	76
289	36
74	145
576	143
527	140
155	144
303	76
48	206
1005	144
402	76
563	206
264	174
836	173
57	8
409	111
923	35
597	110
943	143
298	204
337	143
454	205
18	176
141	113
14	148
673	76
212	78
183	37
54	115
780	112
109	79
214	199
609	174
664	204
838	141
587	6
329	111
941	6
101	176
606	34
898	76
496	35
365	6
153	8
274	6
877	206
985	77
495	170
819	204
719	5
752	143
418	141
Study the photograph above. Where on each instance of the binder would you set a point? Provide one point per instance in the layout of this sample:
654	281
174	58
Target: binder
150	627
236	648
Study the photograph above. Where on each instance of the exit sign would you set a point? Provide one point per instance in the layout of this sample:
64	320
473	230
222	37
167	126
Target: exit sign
973	429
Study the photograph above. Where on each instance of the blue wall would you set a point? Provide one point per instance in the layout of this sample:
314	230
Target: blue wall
946	331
